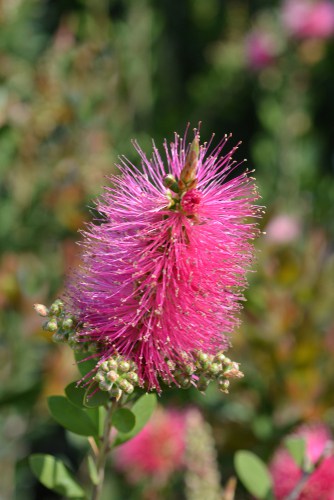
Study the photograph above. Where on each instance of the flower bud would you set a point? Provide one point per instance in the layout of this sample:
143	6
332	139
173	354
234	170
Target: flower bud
51	326
105	386
112	364
214	368
203	359
219	357
170	182
189	368
171	365
185	382
202	384
126	386
99	377
56	307
124	366
112	376
41	309
223	385
68	323
233	371
132	377
104	366
116	393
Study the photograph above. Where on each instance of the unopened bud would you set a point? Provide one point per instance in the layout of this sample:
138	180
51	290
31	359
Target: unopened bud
116	393
171	365
219	357
214	368
51	326
112	376
112	364
68	323
233	371
202	384
105	386
132	377
41	309
185	382
223	385
188	173
189	368
203	359
124	366
170	182
56	307
104	366
99	377
126	386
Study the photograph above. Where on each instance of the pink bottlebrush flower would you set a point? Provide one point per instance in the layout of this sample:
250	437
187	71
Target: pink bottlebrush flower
286	474
157	451
283	229
261	49
162	273
309	19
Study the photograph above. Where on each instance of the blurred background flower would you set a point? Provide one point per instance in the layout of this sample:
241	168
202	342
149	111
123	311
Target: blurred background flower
157	451
286	474
78	80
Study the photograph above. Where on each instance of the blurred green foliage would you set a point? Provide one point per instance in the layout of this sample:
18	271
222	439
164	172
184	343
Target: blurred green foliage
78	80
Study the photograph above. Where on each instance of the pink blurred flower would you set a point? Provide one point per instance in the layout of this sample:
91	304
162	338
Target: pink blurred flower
157	451
307	18
283	229
286	474
160	275
261	49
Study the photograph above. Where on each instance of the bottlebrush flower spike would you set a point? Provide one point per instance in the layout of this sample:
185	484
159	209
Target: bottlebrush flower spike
162	275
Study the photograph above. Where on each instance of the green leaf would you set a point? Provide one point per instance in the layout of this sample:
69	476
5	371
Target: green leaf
124	420
85	365
92	470
93	399
253	473
75	394
297	448
142	410
53	474
71	417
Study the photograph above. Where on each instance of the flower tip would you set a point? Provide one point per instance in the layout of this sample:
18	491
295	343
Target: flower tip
41	309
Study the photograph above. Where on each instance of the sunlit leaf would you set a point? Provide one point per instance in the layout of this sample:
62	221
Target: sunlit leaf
53	474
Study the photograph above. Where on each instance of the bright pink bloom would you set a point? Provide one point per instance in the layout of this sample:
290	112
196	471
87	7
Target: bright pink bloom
283	229
157	451
261	49
308	19
286	474
162	272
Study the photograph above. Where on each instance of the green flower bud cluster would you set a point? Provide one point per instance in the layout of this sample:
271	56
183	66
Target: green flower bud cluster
202	368
117	375
59	322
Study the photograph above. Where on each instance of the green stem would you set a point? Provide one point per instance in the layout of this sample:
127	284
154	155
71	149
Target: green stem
103	451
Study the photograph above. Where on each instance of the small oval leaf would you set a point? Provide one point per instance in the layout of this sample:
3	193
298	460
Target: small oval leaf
71	417
75	394
142	410
53	474
253	473
124	420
